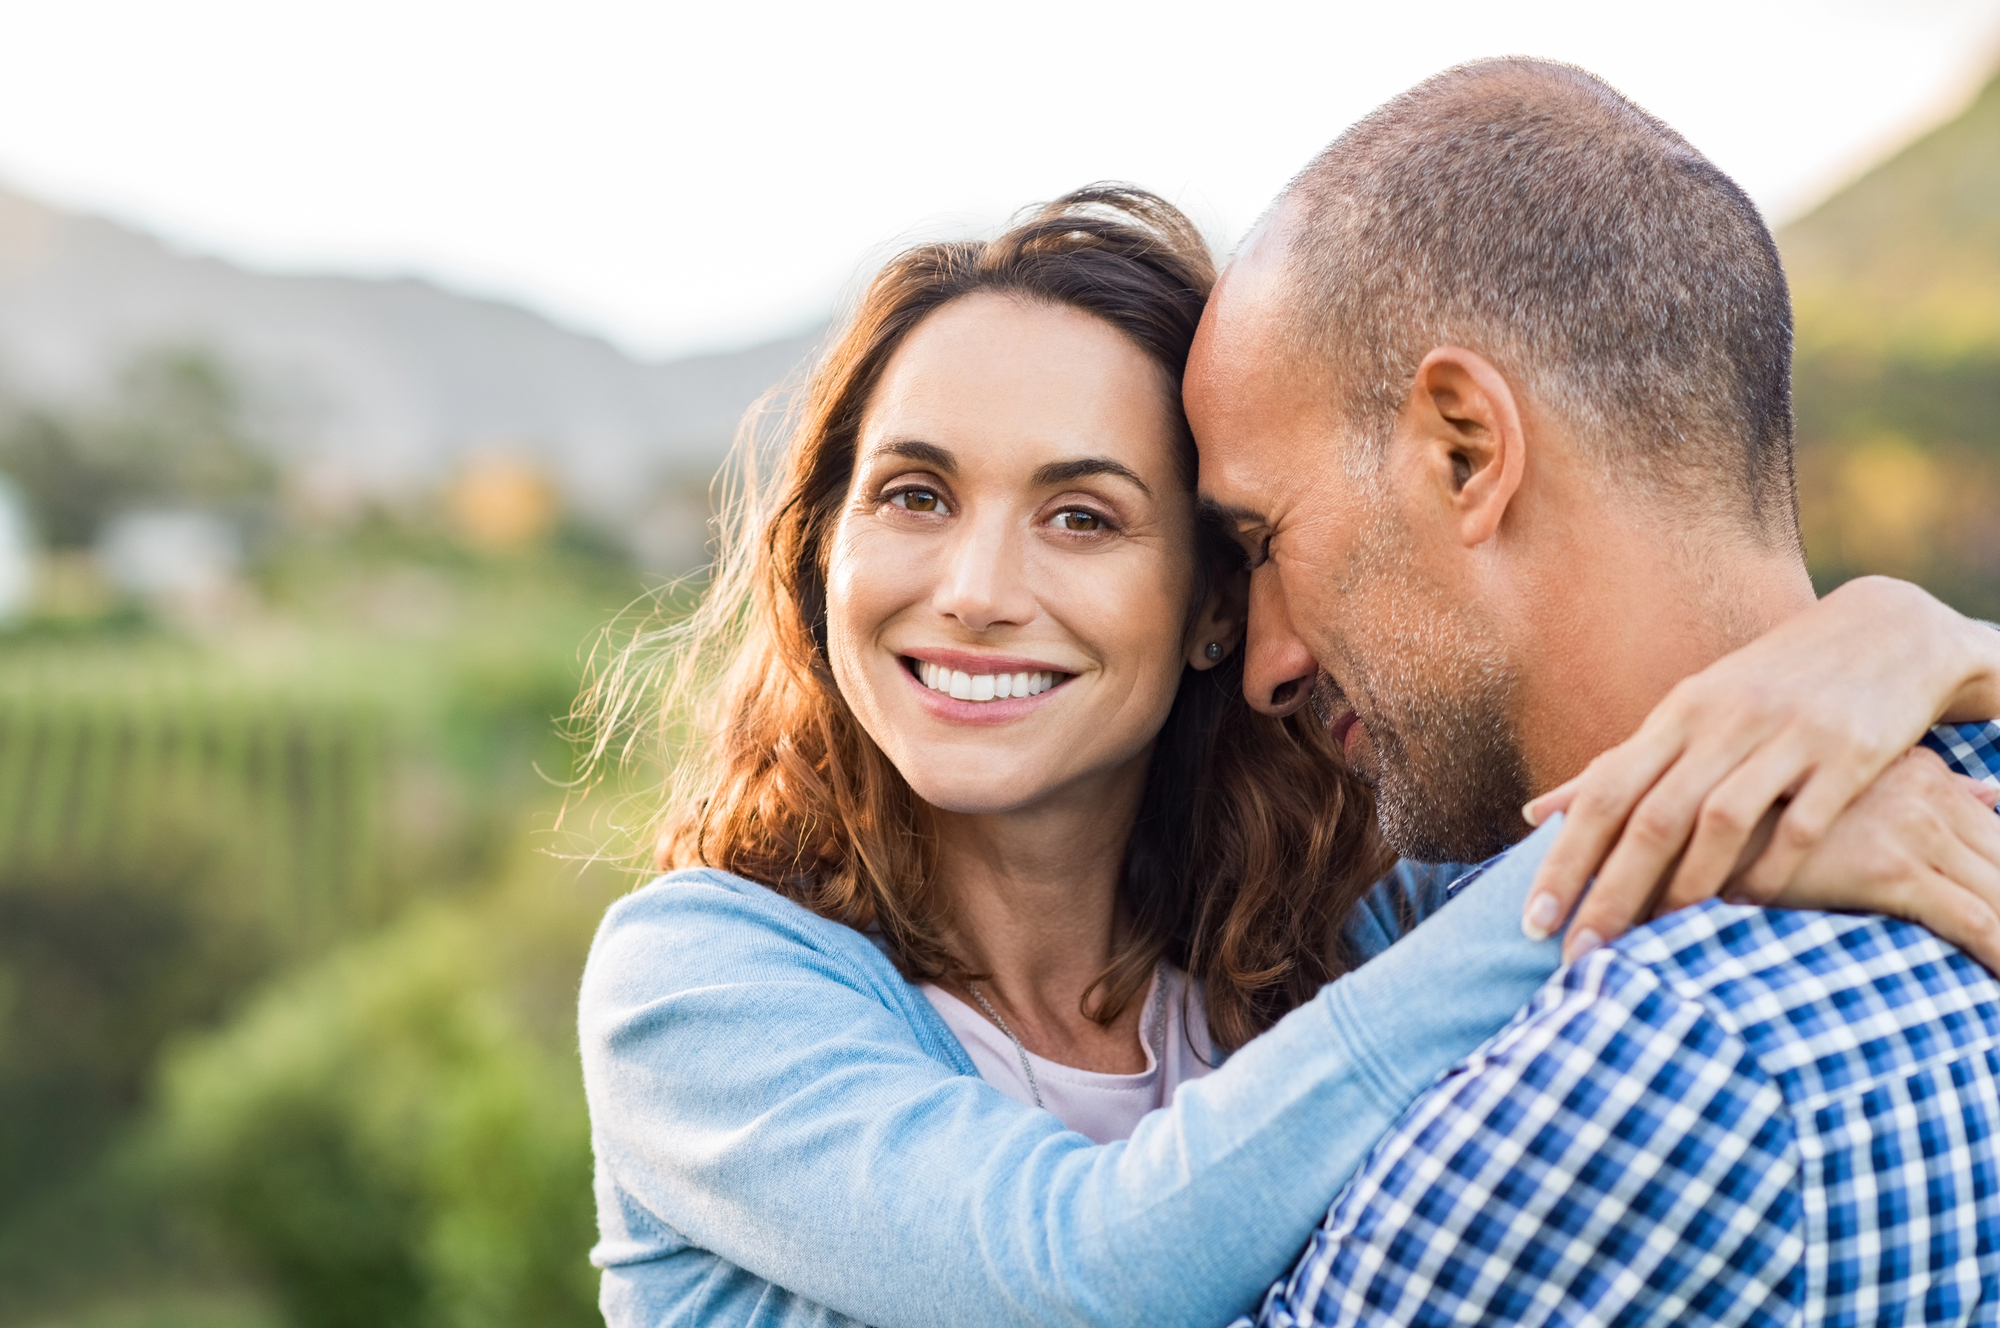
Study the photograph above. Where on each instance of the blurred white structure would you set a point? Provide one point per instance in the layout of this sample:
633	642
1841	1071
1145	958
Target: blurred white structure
17	553
184	559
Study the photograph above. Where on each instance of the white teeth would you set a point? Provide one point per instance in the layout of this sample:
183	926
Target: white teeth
984	686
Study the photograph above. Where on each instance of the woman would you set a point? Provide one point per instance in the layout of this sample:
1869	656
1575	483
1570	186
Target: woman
979	822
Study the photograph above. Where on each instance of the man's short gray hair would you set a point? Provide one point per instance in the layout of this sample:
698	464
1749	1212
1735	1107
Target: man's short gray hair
1526	210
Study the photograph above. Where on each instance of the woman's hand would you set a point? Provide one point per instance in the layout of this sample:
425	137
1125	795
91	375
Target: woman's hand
1919	843
1804	718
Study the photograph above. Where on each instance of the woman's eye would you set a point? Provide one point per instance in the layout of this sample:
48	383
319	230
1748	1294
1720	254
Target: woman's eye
1075	518
917	500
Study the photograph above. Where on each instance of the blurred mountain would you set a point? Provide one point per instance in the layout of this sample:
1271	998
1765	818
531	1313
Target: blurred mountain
1907	258
1896	282
373	384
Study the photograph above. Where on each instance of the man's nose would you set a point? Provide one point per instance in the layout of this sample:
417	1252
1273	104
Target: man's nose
984	582
1278	669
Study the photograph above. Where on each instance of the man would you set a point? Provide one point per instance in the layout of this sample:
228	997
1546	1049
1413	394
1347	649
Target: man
1498	401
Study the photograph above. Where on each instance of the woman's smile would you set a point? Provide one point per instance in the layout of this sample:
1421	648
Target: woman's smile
962	686
982	681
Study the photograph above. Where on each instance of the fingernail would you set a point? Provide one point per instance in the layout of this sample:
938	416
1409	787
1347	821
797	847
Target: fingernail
1540	918
1528	814
1582	943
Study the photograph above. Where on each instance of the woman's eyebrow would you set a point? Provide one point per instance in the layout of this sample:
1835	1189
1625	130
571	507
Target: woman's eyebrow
928	454
1061	472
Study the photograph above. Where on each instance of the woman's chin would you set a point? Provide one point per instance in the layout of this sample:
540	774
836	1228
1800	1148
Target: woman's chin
984	795
977	802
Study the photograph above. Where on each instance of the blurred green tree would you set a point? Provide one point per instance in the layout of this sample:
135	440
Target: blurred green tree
397	1136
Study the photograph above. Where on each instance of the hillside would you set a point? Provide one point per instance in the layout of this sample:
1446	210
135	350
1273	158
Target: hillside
1896	280
1907	258
381	383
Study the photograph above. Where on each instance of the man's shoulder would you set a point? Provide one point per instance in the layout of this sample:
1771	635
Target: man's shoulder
1813	1002
1819	999
1727	1115
1823	1002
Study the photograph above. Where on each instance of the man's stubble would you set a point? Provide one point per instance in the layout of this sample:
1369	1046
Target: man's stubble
1436	693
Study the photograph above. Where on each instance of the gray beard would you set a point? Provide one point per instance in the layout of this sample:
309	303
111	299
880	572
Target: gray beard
1449	776
1437	699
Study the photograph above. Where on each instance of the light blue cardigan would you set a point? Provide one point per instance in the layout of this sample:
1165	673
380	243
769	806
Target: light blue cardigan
787	1134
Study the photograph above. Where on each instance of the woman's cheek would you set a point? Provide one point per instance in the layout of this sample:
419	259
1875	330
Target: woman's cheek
1140	612
853	611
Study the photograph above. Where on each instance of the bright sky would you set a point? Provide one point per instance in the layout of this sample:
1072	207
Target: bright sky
677	176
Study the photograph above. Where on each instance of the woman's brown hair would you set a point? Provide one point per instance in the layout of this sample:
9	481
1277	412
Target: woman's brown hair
1253	842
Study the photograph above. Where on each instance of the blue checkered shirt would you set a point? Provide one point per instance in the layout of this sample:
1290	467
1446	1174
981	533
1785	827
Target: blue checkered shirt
1732	1116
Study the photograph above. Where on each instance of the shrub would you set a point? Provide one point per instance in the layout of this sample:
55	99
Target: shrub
389	1139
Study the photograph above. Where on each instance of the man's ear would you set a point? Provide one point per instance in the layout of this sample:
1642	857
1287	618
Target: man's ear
1219	621
1465	422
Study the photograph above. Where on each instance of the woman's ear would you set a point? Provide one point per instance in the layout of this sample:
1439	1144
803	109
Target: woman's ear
1218	625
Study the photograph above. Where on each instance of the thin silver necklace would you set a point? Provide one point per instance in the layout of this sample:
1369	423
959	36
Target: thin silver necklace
1155	1035
1019	1050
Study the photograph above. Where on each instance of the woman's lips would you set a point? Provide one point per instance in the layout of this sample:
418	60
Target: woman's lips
969	662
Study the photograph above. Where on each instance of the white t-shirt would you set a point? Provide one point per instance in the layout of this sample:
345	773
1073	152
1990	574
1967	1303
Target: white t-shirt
1102	1107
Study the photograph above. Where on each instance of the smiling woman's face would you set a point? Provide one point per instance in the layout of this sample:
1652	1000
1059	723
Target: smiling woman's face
1008	586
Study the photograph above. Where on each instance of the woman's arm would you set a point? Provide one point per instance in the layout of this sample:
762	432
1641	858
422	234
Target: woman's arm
1802	720
755	1089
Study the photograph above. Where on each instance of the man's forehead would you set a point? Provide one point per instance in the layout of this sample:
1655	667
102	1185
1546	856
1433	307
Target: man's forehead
1245	402
1274	448
1242	352
1246	397
1249	298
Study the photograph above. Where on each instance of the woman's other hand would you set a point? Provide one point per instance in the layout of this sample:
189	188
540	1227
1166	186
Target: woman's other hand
1920	843
1802	719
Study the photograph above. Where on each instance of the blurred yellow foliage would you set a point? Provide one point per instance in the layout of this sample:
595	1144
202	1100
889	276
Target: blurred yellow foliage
1891	498
502	503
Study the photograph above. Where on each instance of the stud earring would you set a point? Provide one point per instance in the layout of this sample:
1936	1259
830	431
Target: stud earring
1213	650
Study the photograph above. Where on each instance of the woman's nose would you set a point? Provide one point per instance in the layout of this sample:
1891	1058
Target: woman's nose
1278	669
984	582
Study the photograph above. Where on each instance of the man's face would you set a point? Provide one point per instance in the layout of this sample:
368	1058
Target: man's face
1358	600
